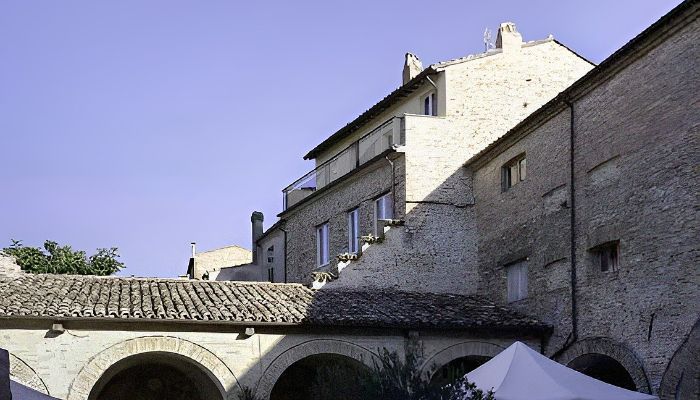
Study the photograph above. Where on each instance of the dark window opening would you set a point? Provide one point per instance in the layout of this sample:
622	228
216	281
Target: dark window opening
607	256
430	105
514	172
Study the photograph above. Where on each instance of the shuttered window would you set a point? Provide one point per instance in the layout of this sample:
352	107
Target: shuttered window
517	280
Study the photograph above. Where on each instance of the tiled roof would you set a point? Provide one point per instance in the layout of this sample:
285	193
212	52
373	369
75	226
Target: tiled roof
69	296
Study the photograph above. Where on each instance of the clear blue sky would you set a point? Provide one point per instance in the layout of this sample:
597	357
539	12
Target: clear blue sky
149	124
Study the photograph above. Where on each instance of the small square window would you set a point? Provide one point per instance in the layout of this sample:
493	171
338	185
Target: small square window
514	172
607	256
517	280
322	246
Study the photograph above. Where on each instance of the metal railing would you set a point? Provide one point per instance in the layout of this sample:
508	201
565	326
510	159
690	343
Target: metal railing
380	139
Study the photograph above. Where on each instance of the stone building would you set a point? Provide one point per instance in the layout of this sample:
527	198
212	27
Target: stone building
520	194
587	214
401	162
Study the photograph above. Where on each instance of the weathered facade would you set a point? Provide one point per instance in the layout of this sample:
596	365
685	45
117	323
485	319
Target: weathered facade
607	214
420	137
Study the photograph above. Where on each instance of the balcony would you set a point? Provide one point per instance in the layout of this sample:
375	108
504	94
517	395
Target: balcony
369	146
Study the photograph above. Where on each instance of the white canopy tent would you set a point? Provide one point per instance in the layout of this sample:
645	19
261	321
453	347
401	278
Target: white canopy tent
520	373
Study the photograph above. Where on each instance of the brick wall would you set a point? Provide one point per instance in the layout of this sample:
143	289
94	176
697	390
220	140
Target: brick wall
636	179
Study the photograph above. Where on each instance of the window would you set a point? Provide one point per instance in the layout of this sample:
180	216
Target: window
607	256
271	254
322	247
353	231
271	274
383	209
514	172
430	105
517	280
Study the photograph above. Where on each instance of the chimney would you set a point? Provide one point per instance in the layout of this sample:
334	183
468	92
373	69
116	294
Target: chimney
190	265
508	39
257	220
411	67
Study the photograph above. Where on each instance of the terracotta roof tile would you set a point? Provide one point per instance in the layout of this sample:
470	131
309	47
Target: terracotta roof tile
69	296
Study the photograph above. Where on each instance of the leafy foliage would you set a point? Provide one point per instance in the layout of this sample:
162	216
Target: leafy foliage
395	379
56	259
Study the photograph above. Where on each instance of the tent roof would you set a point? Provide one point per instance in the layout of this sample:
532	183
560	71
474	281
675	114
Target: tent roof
520	373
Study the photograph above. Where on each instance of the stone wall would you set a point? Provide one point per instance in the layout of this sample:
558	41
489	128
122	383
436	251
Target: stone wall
436	248
529	221
359	190
212	261
274	240
636	154
8	266
68	365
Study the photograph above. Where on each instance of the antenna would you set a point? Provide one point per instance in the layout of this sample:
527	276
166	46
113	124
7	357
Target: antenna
488	44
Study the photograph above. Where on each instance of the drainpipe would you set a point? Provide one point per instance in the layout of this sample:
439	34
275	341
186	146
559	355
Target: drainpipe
574	311
285	254
393	185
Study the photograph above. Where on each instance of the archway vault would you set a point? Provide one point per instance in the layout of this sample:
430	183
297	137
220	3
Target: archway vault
302	350
610	348
26	375
459	350
214	367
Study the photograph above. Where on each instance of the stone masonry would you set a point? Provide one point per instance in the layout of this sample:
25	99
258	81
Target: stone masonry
636	151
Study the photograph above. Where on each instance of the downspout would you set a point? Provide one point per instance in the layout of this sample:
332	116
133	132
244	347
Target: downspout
285	254
574	310
393	185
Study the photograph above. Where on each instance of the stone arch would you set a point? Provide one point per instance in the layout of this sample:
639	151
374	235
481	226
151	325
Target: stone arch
459	350
91	372
309	348
26	375
682	376
610	348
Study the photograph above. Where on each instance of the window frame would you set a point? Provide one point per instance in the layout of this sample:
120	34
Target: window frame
322	257
521	268
607	255
517	164
383	199
429	104
271	274
270	254
354	230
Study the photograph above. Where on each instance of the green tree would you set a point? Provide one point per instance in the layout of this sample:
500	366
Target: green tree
56	259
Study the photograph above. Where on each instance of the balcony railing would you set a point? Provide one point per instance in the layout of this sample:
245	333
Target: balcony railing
369	146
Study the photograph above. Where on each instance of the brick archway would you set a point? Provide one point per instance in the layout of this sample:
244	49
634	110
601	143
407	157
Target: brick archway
26	375
464	349
91	372
312	347
610	348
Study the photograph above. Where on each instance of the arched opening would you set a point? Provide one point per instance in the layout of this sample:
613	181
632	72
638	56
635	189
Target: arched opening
604	368
456	369
322	377
153	376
